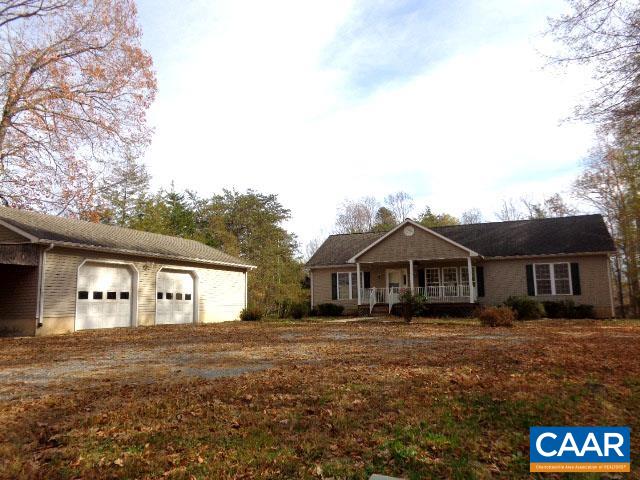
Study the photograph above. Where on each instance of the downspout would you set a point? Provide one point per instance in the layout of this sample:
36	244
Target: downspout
41	267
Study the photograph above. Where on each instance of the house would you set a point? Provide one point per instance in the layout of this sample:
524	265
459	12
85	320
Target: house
548	259
60	275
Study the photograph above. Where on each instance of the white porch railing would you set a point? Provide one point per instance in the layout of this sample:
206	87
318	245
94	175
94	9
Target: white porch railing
455	293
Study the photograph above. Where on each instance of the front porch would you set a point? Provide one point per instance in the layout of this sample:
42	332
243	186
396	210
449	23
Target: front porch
436	281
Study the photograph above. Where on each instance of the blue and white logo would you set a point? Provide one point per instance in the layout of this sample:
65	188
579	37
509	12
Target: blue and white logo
579	449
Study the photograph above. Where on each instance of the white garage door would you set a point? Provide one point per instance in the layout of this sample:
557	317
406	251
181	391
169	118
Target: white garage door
104	296
174	293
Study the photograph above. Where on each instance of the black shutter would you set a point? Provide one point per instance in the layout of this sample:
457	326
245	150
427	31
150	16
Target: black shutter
531	289
421	277
334	286
367	280
575	278
480	280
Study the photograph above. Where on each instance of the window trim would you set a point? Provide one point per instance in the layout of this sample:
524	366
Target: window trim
351	275
552	277
426	283
474	278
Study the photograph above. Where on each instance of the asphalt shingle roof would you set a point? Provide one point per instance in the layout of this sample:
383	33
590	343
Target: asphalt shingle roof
577	234
66	231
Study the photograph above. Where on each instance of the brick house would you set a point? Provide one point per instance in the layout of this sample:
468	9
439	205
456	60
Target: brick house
549	259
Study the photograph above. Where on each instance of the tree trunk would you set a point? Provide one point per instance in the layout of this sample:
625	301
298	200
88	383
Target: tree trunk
618	268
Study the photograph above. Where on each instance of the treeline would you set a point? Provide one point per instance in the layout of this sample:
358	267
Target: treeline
605	35
367	214
246	224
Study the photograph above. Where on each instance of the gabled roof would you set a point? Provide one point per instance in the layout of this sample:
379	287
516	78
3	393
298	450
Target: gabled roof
549	236
408	221
49	229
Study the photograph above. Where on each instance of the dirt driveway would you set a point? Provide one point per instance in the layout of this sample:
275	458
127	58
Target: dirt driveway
307	400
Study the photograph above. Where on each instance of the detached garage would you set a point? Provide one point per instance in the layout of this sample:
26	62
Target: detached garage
59	275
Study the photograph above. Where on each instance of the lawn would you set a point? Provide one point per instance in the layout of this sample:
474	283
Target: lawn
434	399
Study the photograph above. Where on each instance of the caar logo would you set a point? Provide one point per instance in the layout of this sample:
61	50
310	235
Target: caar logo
579	449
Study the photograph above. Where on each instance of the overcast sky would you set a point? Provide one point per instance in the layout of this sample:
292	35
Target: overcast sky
320	101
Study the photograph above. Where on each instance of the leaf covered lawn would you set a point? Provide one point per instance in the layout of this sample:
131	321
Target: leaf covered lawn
309	400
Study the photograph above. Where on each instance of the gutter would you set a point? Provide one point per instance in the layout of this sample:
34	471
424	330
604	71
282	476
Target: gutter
40	295
135	253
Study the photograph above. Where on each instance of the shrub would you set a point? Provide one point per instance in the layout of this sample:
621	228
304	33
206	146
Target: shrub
251	314
555	309
526	308
411	305
584	311
567	309
330	310
298	310
497	316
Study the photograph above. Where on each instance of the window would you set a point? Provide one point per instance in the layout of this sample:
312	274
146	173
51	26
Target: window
169	296
159	295
562	281
124	295
111	296
543	279
187	296
464	276
432	277
354	284
83	295
97	295
178	296
344	286
449	275
348	286
552	279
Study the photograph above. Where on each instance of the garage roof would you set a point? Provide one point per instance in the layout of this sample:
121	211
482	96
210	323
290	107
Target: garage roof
49	229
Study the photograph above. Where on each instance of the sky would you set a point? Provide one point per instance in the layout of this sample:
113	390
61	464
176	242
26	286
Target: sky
451	101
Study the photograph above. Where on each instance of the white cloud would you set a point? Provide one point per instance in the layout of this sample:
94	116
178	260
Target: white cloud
249	103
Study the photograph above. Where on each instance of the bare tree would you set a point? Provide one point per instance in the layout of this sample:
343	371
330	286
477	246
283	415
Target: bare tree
401	205
604	34
509	211
472	215
610	182
311	248
556	206
75	85
357	216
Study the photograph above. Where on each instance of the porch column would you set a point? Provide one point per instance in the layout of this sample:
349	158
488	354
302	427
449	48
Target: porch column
411	275
358	281
470	271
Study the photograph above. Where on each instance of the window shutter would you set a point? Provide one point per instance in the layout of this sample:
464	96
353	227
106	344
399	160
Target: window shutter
334	286
421	277
531	289
575	278
367	279
480	280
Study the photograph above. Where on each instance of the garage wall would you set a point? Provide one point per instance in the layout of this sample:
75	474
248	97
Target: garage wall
221	291
18	299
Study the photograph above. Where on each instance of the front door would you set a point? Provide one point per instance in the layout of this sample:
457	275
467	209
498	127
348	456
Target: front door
396	280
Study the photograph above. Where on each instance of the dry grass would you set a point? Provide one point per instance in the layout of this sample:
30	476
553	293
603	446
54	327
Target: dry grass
308	400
